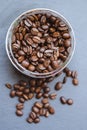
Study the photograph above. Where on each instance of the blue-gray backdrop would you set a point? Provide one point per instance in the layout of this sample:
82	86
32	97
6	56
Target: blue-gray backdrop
67	117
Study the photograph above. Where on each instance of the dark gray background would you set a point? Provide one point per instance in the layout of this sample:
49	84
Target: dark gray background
67	117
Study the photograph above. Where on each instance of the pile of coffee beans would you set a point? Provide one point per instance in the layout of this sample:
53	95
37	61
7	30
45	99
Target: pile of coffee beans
41	42
39	89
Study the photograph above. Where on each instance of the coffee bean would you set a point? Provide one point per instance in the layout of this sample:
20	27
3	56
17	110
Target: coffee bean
32	89
52	96
35	109
68	73
45	100
64	80
20	106
26	90
75	81
34	31
46	105
66	35
39	95
8	85
19	113
43	19
69	101
37	120
31	67
46	89
67	43
56	34
74	74
55	64
63	100
32	115
25	97
38	105
12	93
31	95
28	23
21	100
25	63
47	113
16	86
18	93
51	110
45	95
58	86
42	112
36	39
29	120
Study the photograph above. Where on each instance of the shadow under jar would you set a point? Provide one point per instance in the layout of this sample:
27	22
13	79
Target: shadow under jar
40	43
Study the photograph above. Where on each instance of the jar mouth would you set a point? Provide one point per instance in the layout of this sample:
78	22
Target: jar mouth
14	60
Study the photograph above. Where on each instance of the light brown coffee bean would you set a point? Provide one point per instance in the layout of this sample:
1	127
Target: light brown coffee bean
20	106
51	110
38	105
66	35
39	95
52	96
22	100
32	115
31	67
54	64
12	93
37	120
35	109
19	113
25	63
8	85
69	101
30	96
18	93
45	100
29	120
75	81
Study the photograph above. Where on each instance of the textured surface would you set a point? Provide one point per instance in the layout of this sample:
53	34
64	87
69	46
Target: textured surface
67	117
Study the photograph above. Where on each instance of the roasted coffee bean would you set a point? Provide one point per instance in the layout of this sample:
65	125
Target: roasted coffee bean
23	83
39	95
12	93
74	74
34	31
16	86
67	43
32	82
25	63
38	105
37	120
42	112
32	89
51	110
18	93
21	88
55	64
75	81
47	113
63	100
36	39
66	70
20	106
69	101
19	113
32	115
68	73
64	80
25	97
35	109
58	85
31	95
29	120
38	89
43	19
46	105
26	90
52	96
21	100
8	85
45	95
46	89
31	67
45	100
66	35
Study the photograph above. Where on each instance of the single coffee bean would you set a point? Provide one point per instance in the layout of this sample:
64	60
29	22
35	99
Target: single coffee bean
42	112
69	73
46	89
66	35
23	83
30	96
45	100
64	80
38	105
35	109
55	64
47	113
38	90
45	95
8	85
25	63
74	74
32	115
39	95
37	120
21	100
69	101
20	106
63	100
31	67
75	81
32	89
32	82
18	93
21	88
29	120
20	59
19	113
43	19
58	85
34	31
67	43
52	96
25	97
16	86
12	93
26	90
51	110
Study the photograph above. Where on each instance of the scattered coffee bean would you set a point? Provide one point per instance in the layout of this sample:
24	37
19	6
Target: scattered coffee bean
47	113
21	100
42	112
45	100
39	95
63	100
69	101
52	96
38	105
29	120
32	115
68	73
8	85
19	113
51	110
75	81
35	109
37	120
74	74
30	96
20	106
58	85
12	93
64	80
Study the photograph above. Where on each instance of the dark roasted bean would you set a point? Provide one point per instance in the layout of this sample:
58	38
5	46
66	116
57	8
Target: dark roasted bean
51	110
63	100
58	85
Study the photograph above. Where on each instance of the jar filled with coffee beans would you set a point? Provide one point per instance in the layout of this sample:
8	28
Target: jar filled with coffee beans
40	43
